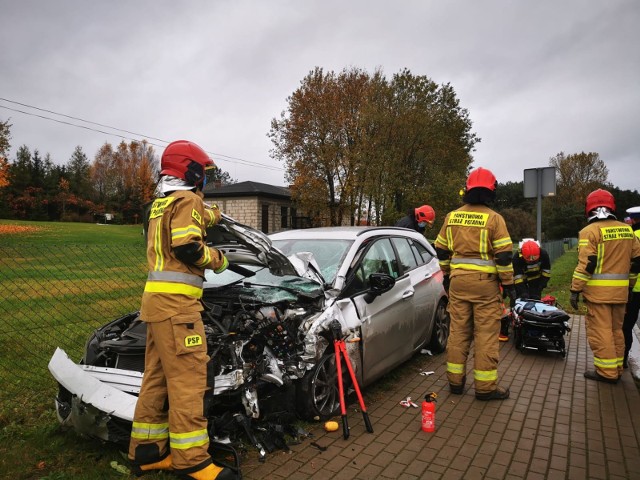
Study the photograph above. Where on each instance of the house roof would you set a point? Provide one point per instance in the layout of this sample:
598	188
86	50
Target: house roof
246	189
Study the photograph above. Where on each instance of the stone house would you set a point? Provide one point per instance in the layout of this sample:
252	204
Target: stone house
264	207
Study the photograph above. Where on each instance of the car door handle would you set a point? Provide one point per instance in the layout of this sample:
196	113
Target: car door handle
408	293
428	275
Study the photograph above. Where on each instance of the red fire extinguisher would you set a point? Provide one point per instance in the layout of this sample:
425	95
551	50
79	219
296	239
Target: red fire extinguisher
429	412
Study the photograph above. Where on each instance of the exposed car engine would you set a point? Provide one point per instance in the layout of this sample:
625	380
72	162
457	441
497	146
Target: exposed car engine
256	345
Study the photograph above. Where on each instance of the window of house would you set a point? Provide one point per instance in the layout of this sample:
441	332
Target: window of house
284	217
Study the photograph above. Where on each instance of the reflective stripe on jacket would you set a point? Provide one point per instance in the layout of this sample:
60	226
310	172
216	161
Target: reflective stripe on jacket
473	235
605	250
174	287
528	272
636	287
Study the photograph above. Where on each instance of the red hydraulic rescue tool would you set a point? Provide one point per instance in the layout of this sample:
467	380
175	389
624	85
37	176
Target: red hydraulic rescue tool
339	347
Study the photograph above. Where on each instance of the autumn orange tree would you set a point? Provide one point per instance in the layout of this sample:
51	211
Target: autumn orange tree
4	172
123	179
118	181
563	215
577	175
5	137
361	148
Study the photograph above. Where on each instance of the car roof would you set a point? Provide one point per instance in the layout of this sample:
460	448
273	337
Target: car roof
340	233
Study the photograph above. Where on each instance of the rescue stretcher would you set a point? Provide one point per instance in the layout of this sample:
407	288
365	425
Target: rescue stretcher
540	325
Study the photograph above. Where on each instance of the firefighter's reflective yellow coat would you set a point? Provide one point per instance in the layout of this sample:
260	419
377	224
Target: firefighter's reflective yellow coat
473	237
605	252
169	415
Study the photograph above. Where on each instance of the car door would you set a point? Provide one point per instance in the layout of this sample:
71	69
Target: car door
387	321
412	264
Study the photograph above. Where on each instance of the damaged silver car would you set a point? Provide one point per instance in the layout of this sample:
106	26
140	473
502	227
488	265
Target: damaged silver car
267	326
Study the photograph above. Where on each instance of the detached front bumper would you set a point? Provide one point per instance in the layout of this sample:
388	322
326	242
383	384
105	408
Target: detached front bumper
91	396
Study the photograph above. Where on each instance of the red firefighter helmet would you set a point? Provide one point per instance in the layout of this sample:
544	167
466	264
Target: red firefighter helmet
185	160
530	251
600	198
481	177
425	213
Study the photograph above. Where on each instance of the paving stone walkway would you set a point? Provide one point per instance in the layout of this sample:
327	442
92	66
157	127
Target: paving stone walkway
556	425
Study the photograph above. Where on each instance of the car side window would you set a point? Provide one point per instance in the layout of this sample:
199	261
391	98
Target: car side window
405	254
422	252
380	258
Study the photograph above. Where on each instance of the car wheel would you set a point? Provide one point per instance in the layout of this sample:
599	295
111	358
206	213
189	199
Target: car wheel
318	390
440	332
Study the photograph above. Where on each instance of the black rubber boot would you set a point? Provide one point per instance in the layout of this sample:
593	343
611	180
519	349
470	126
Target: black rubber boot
139	470
504	329
499	393
593	375
458	389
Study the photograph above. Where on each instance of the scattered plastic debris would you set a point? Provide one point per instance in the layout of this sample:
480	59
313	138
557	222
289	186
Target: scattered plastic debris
426	374
120	468
408	403
424	351
319	447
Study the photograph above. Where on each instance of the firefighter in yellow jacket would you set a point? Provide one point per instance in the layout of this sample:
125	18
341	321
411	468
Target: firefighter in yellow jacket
633	304
474	250
169	429
608	266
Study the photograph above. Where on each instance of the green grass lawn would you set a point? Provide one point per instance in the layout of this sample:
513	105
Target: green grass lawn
560	282
59	281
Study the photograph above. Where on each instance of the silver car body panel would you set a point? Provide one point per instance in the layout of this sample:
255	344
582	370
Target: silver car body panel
384	323
91	391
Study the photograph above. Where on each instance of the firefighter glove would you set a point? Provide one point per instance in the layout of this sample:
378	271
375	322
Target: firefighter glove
223	266
510	291
445	283
573	300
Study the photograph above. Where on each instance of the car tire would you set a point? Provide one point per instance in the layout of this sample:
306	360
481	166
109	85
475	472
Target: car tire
317	393
440	331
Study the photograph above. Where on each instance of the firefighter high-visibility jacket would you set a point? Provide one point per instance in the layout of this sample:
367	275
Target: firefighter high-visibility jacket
474	249
485	247
636	231
170	411
531	276
608	262
177	255
632	309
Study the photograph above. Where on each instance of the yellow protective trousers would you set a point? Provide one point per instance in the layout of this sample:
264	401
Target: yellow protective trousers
169	414
475	308
606	339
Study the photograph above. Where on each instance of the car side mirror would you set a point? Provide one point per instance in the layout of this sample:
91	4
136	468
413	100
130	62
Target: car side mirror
379	283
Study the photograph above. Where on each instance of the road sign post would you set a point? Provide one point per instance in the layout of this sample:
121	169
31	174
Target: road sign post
538	183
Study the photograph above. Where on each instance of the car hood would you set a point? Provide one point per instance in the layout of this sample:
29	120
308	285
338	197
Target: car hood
242	244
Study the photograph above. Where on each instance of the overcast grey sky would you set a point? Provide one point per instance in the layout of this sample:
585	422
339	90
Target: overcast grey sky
537	78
